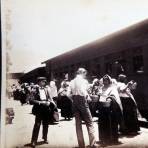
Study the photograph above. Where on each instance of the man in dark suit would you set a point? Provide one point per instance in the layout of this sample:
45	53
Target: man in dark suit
43	106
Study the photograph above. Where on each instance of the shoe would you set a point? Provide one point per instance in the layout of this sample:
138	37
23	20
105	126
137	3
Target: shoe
115	142
46	141
134	133
33	144
95	146
99	142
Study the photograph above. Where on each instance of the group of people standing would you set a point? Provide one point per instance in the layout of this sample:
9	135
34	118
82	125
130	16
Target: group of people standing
46	101
108	99
21	92
116	107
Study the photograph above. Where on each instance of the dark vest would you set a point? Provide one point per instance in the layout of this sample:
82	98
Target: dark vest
40	110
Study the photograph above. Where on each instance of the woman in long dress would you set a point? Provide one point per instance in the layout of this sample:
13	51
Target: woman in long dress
110	112
131	125
94	94
65	100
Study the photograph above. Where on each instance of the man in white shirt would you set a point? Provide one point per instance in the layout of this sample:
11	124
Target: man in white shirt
53	89
79	87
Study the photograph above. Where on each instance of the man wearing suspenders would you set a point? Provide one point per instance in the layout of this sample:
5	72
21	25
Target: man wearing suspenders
79	87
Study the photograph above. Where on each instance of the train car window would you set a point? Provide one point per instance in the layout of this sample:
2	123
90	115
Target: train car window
95	69
122	65
96	60
61	74
138	64
87	65
137	50
108	68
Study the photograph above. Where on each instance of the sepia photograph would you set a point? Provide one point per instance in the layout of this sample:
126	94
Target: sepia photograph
74	74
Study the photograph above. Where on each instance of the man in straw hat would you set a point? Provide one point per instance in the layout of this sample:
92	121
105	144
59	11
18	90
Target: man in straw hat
41	109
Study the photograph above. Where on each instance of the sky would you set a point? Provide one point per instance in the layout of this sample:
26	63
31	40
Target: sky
42	29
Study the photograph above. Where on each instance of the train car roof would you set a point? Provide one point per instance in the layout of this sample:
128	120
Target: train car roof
130	37
33	72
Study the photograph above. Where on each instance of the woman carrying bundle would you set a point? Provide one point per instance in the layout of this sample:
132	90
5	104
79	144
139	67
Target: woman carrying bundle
110	112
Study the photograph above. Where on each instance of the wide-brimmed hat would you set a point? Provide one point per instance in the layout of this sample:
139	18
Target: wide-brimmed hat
122	78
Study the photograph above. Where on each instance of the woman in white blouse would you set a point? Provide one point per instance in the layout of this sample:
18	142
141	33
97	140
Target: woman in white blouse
129	104
110	112
65	100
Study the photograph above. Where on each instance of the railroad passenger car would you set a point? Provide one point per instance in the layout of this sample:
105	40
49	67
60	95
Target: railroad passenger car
125	51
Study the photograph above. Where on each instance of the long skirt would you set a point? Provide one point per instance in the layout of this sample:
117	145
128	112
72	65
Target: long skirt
108	122
129	116
66	107
23	97
93	106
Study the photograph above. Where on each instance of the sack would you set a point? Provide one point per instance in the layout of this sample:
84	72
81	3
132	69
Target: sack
56	116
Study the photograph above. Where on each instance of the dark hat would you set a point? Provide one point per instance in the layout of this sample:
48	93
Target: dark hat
41	79
122	78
